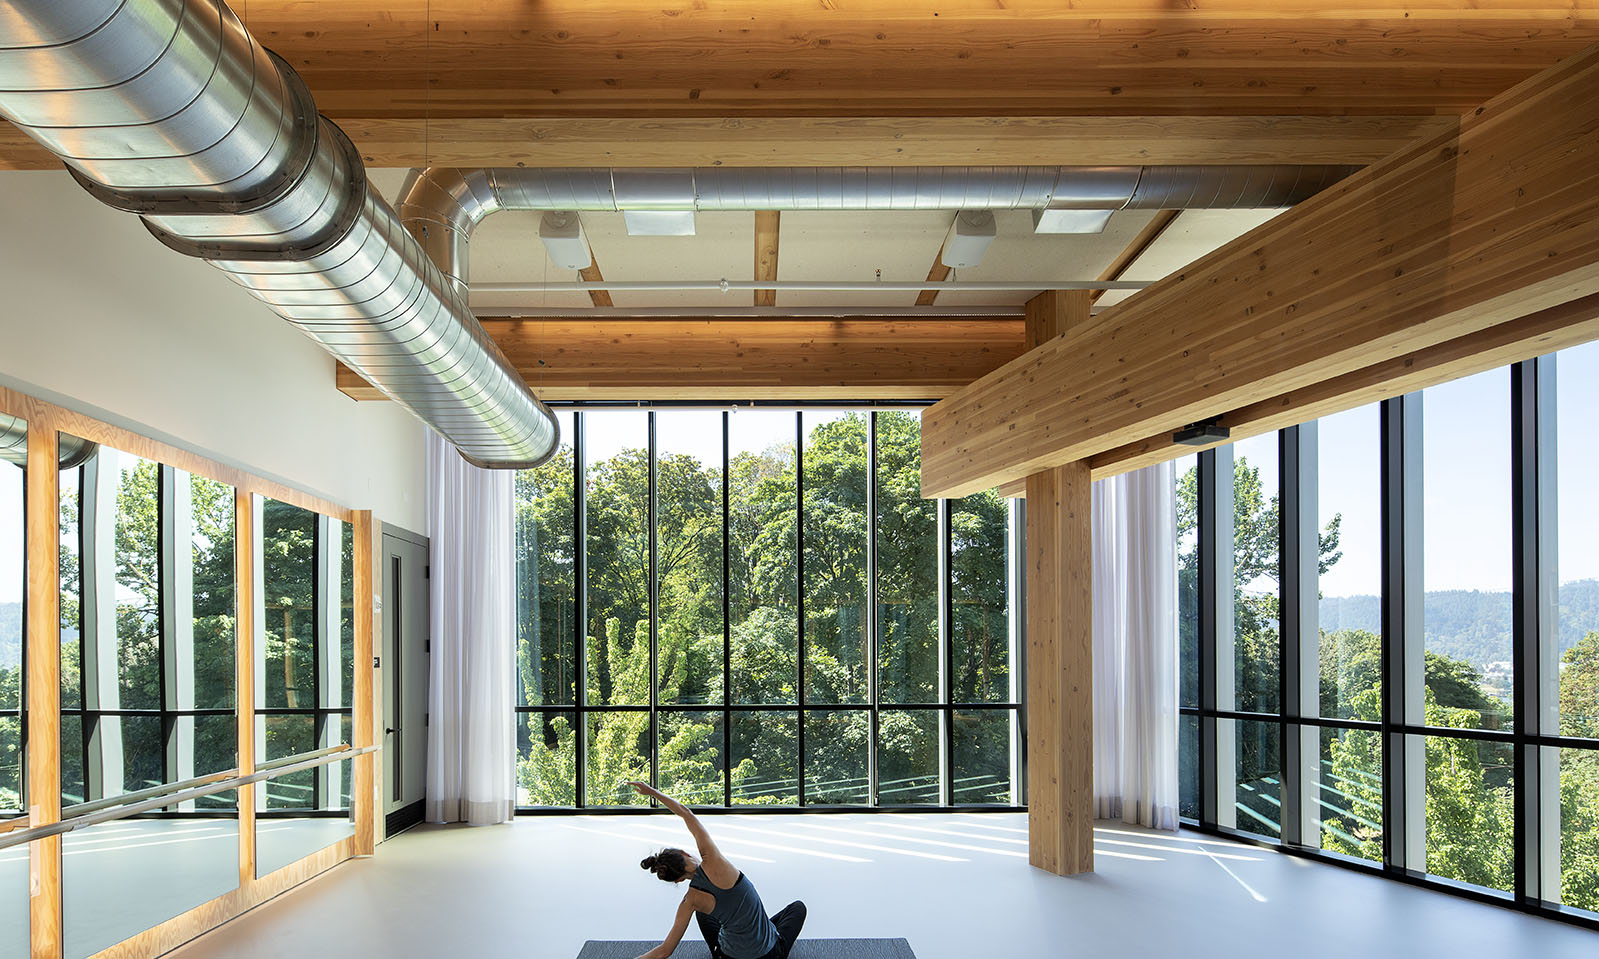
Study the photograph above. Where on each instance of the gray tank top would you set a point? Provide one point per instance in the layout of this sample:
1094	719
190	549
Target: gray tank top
747	932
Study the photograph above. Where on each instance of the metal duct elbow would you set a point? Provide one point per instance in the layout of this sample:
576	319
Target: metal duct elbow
171	110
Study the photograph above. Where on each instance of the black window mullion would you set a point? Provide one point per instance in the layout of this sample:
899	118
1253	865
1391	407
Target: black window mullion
653	605
873	693
580	610
727	613
799	590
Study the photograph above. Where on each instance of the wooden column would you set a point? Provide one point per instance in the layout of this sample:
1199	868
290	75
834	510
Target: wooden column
363	788
44	686
1060	692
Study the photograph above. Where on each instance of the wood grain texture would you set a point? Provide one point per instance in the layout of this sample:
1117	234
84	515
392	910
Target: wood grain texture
766	237
1055	313
592	274
937	273
363	795
1457	234
467	58
852	141
1060	700
43	539
847	358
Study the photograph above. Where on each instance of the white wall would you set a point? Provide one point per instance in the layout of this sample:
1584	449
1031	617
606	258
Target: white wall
98	316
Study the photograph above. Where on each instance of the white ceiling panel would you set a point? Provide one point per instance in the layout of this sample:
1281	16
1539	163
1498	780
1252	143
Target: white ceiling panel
1192	235
854	246
722	247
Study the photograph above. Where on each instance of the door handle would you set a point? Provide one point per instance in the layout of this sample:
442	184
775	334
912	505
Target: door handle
389	731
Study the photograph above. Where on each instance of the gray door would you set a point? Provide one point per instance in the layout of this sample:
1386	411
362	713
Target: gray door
405	673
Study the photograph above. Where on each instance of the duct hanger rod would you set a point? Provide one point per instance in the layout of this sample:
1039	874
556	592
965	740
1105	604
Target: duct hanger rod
808	286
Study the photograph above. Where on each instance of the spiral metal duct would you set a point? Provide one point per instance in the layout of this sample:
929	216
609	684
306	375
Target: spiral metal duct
74	452
171	110
443	205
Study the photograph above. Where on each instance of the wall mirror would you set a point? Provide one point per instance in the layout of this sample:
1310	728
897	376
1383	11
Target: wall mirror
304	677
148	668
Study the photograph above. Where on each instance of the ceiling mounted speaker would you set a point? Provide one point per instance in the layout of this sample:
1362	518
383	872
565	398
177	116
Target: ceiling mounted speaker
562	233
968	238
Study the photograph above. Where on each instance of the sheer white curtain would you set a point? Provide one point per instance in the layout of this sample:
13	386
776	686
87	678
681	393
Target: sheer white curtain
470	730
1135	648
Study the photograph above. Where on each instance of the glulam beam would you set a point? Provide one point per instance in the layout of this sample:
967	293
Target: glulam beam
1482	226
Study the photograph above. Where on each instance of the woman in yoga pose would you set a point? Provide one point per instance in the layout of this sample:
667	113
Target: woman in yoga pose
720	897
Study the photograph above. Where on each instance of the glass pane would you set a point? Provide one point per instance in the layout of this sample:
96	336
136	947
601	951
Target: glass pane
1187	470
618	753
1350	798
1579	828
211	532
73	787
765	759
984	755
546	764
1256	656
283	839
1466	614
1577	476
14	903
688	557
288	736
288	572
1188	767
143	753
346	651
137	557
691	757
907	567
71	563
1470	810
907	757
835	756
1259	800
761	547
617	544
216	748
546	584
1349	505
11	768
979	633
120	878
835	557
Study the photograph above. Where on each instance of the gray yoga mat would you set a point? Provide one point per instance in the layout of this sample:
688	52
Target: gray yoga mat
804	949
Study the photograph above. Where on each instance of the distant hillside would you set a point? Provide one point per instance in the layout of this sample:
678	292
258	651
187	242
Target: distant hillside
1467	624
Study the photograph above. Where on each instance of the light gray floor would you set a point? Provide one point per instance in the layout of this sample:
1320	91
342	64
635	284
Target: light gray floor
956	886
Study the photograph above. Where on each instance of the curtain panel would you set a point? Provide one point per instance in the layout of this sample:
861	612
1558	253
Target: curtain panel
471	734
1135	647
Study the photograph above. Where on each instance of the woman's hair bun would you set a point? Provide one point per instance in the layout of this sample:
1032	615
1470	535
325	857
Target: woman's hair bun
650	862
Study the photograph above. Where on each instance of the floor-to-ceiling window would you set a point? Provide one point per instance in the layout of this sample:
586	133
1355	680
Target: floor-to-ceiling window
771	615
1389	635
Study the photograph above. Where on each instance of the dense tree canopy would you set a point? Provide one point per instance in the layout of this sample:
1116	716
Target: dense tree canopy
765	528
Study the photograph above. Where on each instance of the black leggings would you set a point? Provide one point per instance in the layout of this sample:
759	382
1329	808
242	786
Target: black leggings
789	922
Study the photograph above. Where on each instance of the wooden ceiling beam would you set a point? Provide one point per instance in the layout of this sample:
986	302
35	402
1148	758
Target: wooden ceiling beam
850	141
1544	332
729	359
1459	233
766	227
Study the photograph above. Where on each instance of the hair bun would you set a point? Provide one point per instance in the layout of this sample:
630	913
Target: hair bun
650	862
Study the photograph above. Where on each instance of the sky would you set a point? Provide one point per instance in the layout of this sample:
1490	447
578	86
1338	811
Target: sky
1466	461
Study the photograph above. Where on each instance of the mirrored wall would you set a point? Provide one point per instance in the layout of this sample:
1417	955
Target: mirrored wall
13	625
148	627
304	678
